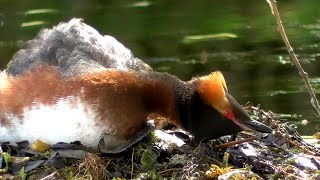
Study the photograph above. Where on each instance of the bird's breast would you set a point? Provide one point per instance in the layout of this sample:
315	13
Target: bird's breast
67	120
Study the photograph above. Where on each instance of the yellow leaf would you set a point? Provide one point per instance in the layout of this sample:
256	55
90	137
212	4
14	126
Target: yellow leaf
40	146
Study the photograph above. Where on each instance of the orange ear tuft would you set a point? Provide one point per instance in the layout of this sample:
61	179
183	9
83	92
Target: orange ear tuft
212	89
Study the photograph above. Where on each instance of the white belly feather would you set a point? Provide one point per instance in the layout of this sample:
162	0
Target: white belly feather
61	122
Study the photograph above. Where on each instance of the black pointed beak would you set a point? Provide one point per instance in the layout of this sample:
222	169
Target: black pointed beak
243	119
257	126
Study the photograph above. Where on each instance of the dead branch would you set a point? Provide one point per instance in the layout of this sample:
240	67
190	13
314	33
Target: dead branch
304	75
232	143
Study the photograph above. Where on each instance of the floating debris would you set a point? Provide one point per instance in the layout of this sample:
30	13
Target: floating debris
40	11
207	37
33	23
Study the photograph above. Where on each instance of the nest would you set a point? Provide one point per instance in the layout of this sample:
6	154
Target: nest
283	154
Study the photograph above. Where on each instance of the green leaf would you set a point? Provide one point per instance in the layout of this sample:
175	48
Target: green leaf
22	173
7	158
148	159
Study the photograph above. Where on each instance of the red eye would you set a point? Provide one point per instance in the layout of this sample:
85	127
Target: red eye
229	114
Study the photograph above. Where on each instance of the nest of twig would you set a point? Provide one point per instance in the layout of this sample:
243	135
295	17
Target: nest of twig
283	154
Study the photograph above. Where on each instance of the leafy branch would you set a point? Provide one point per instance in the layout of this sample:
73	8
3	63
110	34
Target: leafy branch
304	75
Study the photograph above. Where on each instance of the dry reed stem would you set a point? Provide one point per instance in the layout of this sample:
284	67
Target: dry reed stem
304	75
132	163
232	143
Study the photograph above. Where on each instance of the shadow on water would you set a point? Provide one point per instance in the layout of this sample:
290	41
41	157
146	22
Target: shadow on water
194	38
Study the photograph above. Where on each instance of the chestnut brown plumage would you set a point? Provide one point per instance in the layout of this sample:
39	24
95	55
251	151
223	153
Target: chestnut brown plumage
122	101
72	84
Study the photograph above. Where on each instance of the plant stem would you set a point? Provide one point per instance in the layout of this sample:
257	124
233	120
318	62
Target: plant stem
304	75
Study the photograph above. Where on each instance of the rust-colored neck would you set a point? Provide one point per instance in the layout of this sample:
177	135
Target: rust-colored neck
131	97
154	92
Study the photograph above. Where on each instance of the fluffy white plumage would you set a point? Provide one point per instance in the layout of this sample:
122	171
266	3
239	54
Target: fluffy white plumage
61	122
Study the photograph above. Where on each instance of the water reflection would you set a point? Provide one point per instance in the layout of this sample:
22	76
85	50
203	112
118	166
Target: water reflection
193	38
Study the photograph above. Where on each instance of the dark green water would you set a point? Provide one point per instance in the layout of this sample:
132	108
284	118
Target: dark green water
172	36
